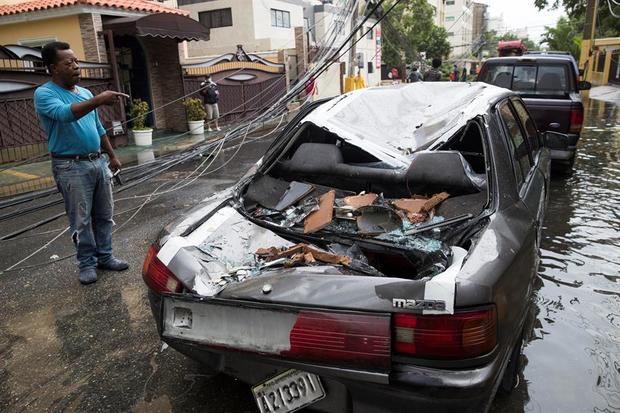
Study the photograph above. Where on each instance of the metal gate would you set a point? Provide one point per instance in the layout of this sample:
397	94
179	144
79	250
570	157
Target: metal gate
247	83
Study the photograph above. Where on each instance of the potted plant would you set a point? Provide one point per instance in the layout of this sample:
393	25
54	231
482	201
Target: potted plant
195	116
142	134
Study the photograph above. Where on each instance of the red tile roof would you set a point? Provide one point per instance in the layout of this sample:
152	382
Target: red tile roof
133	5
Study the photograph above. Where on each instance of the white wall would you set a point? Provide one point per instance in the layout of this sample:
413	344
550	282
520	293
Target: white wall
276	37
461	28
251	27
438	5
328	84
225	39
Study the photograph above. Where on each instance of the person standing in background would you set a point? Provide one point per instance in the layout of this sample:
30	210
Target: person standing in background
211	95
434	74
415	75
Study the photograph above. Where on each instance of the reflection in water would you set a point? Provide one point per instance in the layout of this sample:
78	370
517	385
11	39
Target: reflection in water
145	156
573	348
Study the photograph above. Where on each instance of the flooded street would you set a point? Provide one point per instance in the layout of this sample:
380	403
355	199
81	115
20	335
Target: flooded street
572	354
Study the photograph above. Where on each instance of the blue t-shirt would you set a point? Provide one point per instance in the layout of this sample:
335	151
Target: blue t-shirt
66	135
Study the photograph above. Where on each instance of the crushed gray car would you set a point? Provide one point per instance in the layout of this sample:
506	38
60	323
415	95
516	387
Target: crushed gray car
380	257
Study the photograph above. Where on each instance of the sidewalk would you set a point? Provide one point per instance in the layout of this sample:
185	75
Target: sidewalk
38	175
607	93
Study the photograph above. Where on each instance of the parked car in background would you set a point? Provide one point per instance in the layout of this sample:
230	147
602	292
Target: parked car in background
549	85
379	258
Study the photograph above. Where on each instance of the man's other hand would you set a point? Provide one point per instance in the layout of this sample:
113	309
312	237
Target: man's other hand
115	164
109	97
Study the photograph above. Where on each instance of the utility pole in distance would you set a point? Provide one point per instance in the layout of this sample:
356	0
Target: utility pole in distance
348	81
589	36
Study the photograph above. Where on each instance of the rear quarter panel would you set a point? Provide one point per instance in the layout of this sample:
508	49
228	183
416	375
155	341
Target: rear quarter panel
502	263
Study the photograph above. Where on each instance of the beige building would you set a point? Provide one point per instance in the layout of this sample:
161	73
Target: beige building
479	19
458	22
258	25
322	19
438	11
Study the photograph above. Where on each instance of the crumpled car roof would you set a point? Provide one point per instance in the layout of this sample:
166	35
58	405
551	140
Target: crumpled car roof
401	119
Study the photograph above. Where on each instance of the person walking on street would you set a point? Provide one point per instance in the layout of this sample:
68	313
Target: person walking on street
76	138
456	73
311	90
434	74
464	75
415	75
211	96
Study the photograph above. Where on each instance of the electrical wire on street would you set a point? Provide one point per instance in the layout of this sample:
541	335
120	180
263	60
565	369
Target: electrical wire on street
329	59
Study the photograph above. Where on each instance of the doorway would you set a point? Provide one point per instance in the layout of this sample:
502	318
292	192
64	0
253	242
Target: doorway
133	70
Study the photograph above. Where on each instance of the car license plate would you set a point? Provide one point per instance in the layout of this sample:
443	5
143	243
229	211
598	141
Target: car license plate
288	392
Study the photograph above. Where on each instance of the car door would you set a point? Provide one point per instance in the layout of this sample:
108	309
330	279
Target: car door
536	200
531	186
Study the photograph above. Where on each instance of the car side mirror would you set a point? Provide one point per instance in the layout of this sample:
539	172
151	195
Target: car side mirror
584	85
554	140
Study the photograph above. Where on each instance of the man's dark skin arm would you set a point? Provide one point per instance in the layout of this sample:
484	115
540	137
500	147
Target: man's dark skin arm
106	147
109	97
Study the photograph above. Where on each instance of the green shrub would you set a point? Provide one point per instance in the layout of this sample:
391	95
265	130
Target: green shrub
139	111
195	111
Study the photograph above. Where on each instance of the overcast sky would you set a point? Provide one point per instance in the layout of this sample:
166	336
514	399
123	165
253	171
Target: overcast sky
523	13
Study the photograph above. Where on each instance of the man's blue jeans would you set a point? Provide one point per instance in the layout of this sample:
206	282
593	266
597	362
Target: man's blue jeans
86	187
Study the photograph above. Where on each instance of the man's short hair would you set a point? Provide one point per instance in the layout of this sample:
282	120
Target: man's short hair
49	53
436	62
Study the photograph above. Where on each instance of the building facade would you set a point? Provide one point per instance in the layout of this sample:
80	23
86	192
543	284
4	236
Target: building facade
258	25
126	45
458	21
439	9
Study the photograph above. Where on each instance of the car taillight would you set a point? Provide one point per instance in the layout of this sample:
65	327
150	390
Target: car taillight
157	276
576	120
460	335
362	340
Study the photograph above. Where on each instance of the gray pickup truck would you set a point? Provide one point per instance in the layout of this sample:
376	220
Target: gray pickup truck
549	86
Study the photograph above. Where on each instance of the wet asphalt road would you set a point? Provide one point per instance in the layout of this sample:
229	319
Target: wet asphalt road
68	347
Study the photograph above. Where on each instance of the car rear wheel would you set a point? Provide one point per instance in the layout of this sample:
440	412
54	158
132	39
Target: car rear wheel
511	374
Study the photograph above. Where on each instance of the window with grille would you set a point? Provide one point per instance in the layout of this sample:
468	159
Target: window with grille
216	18
280	18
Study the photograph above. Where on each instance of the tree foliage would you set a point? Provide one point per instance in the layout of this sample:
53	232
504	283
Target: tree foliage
565	36
409	30
606	24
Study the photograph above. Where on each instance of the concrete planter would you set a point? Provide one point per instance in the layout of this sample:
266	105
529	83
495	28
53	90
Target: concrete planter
196	127
143	137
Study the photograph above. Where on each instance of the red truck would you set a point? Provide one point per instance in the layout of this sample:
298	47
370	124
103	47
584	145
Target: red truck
511	48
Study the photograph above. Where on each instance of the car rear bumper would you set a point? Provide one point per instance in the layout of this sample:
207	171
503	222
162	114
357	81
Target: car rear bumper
406	387
562	149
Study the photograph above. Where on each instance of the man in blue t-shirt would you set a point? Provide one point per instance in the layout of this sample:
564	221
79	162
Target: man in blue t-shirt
76	138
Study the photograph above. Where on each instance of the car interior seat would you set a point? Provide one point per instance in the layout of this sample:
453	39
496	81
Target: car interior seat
503	80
